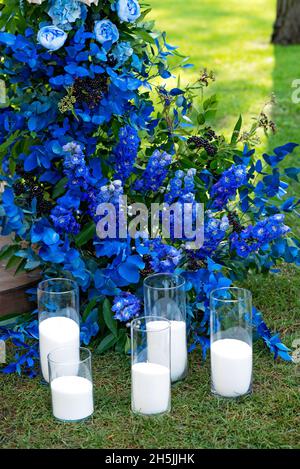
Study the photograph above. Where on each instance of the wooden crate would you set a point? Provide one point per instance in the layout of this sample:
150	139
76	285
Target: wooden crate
13	297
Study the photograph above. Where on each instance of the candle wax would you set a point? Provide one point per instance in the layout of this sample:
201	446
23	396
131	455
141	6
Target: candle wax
231	367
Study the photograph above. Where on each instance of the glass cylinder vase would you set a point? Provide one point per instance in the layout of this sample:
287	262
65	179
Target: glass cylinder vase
231	341
150	366
71	384
165	296
58	306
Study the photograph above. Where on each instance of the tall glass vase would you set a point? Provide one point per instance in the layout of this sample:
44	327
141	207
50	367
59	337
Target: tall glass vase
150	366
165	296
231	341
58	306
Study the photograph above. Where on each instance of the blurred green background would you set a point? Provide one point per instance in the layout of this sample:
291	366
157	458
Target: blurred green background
232	37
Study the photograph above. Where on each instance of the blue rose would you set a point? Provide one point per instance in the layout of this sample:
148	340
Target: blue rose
128	10
106	31
51	37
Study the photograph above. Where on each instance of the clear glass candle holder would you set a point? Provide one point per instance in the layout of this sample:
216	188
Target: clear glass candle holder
71	384
231	342
58	306
165	296
150	366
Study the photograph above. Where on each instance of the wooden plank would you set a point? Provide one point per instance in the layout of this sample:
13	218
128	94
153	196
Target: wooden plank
13	297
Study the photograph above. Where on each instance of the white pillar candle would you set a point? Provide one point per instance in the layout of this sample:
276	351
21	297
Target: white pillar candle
151	388
56	332
72	397
156	347
231	367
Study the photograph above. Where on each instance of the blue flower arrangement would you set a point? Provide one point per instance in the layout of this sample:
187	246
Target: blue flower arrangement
79	127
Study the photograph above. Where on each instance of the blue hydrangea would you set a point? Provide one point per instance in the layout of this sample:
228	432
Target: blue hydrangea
121	53
163	257
155	173
125	152
126	307
15	216
64	12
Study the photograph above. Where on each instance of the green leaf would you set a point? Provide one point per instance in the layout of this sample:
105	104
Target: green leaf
21	267
89	308
201	119
5	145
108	317
12	262
106	343
210	114
236	130
210	102
8	251
86	234
142	34
59	188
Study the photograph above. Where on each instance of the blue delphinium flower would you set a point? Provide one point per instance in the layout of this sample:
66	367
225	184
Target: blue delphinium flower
214	234
128	10
106	31
155	172
75	166
227	185
64	220
125	152
126	307
64	12
51	37
253	238
175	187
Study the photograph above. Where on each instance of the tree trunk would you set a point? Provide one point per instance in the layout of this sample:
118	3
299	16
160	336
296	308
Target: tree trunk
287	24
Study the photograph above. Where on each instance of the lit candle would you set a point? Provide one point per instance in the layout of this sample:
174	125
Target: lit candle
231	367
72	398
151	388
55	332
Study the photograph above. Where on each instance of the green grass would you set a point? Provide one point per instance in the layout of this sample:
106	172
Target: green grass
232	38
267	419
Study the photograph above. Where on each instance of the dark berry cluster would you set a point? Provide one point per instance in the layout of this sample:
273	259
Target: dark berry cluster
235	222
148	270
29	186
201	142
210	134
90	90
266	123
193	263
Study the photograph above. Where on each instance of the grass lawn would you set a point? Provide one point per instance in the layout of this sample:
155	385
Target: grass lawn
267	419
232	38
